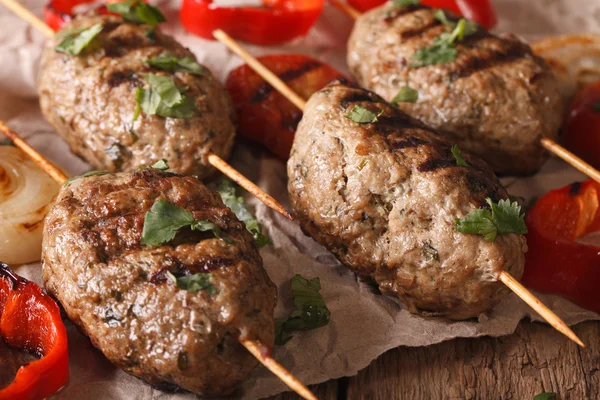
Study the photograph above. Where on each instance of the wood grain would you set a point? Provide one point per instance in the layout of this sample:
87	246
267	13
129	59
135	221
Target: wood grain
534	359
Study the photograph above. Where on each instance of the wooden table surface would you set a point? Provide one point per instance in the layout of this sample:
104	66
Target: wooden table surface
534	359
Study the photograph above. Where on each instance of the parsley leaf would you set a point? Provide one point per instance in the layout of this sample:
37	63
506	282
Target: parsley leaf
545	396
232	199
406	3
160	165
7	142
75	41
165	219
138	12
310	311
193	283
460	161
504	217
443	49
406	95
361	115
170	62
87	174
163	98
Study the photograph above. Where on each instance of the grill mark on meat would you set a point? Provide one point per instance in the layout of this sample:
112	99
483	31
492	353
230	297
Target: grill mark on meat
420	30
117	78
265	88
575	188
398	12
471	63
479	183
433	164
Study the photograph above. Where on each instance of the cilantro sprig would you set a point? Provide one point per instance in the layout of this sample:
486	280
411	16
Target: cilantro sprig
443	49
361	115
75	41
406	95
232	198
545	396
310	311
460	161
165	219
193	283
503	217
170	62
164	98
138	12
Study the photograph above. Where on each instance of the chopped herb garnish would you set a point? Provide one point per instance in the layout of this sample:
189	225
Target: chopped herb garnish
7	142
310	311
150	34
165	219
164	98
443	49
460	161
545	396
138	12
193	283
504	217
405	3
230	193
406	95
75	41
361	115
86	175
160	165
171	63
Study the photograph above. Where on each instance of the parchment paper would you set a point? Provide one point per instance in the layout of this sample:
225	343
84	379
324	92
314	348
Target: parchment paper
363	324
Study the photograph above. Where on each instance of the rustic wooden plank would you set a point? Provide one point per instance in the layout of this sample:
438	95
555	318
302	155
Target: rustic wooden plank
532	360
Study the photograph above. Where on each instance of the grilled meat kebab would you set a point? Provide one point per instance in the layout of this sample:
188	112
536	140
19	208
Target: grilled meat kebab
496	100
118	291
383	197
90	99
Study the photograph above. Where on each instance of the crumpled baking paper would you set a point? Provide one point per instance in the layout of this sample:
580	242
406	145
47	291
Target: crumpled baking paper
363	324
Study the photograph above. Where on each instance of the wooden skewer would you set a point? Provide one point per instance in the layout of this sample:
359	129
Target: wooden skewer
40	160
505	277
547	143
539	307
213	159
257	349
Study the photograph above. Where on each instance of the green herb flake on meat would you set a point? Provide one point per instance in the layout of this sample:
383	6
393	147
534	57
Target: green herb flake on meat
545	396
503	217
75	41
138	12
87	174
230	193
361	115
193	283
170	62
164	98
310	311
405	3
460	161
165	219
406	95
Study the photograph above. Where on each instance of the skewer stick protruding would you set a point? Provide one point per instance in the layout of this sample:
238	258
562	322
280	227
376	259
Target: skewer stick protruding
346	8
286	377
213	159
39	159
539	307
257	349
505	277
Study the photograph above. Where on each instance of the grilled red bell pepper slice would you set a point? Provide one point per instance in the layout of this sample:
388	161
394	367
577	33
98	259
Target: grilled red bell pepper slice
266	116
582	125
278	21
480	11
556	262
30	320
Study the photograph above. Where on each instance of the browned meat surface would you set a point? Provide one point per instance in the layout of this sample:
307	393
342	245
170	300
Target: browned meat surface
90	100
495	101
117	292
384	197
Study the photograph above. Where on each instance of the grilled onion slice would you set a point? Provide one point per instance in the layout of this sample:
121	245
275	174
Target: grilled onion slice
26	195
